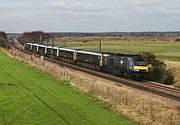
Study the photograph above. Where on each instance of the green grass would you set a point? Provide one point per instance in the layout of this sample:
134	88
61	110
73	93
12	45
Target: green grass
30	97
164	50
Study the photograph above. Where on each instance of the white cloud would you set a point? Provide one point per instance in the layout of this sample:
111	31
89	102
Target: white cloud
145	2
106	15
123	6
54	6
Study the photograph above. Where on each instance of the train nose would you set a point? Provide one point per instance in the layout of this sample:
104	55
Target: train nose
141	68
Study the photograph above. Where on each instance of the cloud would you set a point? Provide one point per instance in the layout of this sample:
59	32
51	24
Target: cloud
143	3
114	6
90	15
53	6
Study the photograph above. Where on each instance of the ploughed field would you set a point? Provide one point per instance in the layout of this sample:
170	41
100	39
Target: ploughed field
164	50
31	97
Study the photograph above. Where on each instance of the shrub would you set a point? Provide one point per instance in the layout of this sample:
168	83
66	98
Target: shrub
159	73
2	43
168	78
177	40
3	39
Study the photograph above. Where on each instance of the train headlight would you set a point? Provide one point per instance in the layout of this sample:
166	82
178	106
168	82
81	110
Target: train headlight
136	70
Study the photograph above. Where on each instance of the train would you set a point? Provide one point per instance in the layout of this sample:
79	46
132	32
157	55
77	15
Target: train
131	66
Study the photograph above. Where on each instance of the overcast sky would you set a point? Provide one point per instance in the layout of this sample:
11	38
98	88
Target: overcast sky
89	15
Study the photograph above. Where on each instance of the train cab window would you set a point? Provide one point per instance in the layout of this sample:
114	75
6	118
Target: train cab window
116	61
130	63
140	63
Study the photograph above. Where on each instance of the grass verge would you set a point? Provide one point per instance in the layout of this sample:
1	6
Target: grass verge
30	97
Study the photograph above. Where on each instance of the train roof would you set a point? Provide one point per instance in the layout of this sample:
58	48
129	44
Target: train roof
50	47
106	55
90	53
41	45
29	43
55	47
120	54
35	44
64	49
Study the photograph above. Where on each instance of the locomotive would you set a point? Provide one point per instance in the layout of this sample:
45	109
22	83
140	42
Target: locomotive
126	65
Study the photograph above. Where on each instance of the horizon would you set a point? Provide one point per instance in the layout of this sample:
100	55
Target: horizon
96	32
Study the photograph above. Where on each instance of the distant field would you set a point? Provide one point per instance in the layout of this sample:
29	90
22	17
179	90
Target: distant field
30	97
164	50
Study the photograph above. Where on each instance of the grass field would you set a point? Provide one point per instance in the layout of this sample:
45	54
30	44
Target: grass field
164	50
30	97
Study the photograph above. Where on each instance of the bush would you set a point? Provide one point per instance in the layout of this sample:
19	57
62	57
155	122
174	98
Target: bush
2	43
177	40
168	78
159	73
3	39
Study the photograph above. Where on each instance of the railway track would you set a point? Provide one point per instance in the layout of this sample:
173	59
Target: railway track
164	90
155	88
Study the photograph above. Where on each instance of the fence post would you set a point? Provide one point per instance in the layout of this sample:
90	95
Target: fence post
142	107
152	115
126	100
108	91
171	118
93	87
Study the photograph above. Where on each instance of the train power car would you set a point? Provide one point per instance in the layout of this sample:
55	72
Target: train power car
133	66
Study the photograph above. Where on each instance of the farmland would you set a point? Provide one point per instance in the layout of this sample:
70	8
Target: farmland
29	96
164	50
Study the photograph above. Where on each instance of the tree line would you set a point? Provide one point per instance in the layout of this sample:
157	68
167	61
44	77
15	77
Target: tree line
3	39
33	37
121	34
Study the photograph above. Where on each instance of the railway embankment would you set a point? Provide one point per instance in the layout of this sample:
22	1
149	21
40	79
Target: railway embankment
29	96
140	106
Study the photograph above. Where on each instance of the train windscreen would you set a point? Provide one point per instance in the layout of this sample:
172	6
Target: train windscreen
140	63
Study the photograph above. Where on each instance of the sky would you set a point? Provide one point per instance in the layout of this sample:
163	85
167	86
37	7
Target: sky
89	15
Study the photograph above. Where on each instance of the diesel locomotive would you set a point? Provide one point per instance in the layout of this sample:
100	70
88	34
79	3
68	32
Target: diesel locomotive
126	65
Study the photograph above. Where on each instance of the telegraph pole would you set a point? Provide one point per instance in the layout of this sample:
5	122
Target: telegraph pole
100	45
40	39
52	43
